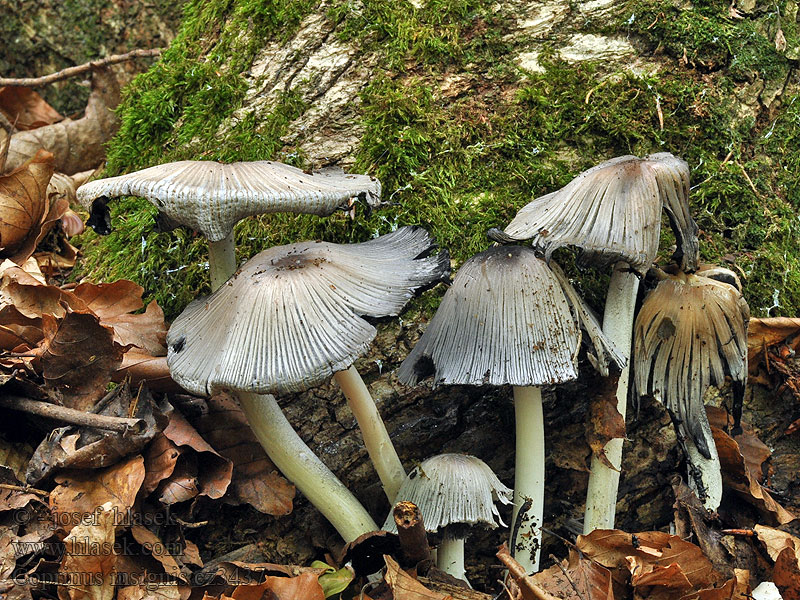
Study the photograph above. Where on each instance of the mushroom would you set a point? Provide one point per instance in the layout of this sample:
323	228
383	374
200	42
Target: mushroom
612	212
690	332
211	198
453	492
289	319
509	318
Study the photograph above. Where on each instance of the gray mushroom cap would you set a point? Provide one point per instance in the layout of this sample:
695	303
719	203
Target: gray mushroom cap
508	318
690	332
612	212
452	489
291	316
211	197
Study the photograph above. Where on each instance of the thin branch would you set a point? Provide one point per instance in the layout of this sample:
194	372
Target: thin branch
71	415
80	69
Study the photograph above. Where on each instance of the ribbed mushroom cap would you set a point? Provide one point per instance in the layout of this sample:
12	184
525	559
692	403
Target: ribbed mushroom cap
211	198
612	212
690	332
508	318
289	318
453	489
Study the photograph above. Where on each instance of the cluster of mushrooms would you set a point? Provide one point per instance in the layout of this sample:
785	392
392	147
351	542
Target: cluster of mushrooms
291	318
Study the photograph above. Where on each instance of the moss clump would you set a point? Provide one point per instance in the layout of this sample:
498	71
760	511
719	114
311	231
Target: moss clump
459	163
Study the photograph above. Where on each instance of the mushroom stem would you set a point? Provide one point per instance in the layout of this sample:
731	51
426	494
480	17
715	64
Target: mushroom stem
601	494
301	466
705	474
221	261
379	446
450	557
526	528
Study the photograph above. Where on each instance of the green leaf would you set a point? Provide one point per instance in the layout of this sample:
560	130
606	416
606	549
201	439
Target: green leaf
332	581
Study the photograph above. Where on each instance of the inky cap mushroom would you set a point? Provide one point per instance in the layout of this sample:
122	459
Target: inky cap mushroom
612	212
291	316
211	197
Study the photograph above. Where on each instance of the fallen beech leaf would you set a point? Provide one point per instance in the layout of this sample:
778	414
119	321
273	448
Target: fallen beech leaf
29	267
24	204
690	520
255	479
76	145
406	587
605	423
89	560
26	109
753	450
776	541
735	588
592	580
738	477
786	575
77	356
51	262
80	492
18	333
158	550
303	586
764	333
150	591
139	366
644	574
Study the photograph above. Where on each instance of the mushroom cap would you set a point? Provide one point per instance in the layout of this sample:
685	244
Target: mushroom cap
690	332
452	489
506	319
612	212
291	316
211	197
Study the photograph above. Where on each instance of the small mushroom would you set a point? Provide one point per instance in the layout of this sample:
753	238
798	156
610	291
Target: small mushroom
612	213
690	333
289	319
453	492
211	197
509	318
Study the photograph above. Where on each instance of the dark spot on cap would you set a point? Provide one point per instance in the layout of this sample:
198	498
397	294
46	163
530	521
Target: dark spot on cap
179	344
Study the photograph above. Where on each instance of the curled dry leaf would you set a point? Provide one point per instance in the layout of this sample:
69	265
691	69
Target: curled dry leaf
158	550
89	560
753	450
26	109
606	422
76	145
24	205
577	578
256	480
303	586
786	575
81	492
737	476
141	367
405	587
762	334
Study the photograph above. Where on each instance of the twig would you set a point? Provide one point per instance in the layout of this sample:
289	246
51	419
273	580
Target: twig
747	177
80	69
411	532
517	571
71	415
25	489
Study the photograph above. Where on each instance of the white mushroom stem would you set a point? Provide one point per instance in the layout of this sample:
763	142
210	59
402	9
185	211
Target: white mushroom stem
601	495
705	474
379	446
526	528
221	260
450	557
301	466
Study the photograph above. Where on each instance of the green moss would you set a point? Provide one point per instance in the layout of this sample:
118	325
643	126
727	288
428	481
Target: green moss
462	163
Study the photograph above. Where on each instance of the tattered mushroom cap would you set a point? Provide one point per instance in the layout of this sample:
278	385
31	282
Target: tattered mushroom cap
453	489
612	212
690	332
507	319
211	197
291	316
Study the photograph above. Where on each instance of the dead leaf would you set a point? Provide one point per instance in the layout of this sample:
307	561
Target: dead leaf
76	145
605	421
256	480
786	575
690	524
753	450
88	565
776	541
738	477
24	205
77	357
765	333
26	109
304	586
79	493
405	587
158	550
61	259
140	367
592	580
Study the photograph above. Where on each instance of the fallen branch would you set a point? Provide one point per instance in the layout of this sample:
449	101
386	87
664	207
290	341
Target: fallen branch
71	415
80	69
411	532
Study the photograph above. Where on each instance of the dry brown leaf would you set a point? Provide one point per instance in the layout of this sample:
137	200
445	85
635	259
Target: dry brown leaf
690	520
26	109
764	333
150	591
735	588
592	580
139	366
605	422
18	333
158	550
256	480
24	205
76	145
88	564
786	575
405	587
77	357
776	541
753	450
51	262
738	477
79	493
